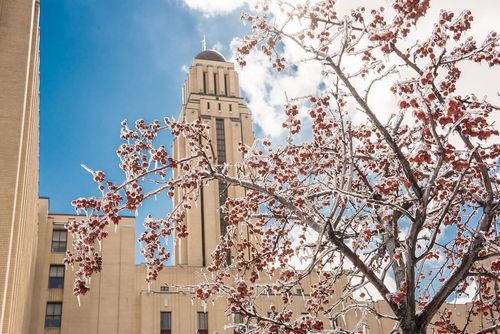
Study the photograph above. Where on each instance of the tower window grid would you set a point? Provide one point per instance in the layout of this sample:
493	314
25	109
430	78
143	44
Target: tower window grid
221	159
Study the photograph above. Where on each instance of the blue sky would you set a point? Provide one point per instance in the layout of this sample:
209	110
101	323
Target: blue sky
102	62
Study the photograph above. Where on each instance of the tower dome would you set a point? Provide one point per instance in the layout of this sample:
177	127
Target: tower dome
210	55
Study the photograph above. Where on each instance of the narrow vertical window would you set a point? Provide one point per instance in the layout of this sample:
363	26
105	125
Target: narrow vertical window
205	82
59	240
219	107
165	322
230	107
226	77
215	84
56	276
221	140
208	106
238	320
202	323
221	159
53	314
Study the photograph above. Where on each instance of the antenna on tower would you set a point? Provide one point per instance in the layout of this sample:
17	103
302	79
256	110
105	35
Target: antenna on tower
203	43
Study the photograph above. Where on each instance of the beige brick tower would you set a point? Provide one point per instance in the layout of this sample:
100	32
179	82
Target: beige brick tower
19	82
211	93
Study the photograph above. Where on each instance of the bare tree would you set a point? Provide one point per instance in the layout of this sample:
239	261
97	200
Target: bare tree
414	199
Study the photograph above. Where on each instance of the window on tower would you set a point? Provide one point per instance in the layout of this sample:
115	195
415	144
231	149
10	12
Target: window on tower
221	159
226	77
215	84
205	81
165	322
238	320
202	323
221	140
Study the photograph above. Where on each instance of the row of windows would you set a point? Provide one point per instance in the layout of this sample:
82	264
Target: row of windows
53	315
166	322
53	311
216	83
219	106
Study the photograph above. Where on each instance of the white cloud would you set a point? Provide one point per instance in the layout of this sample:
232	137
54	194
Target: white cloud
267	90
218	46
215	7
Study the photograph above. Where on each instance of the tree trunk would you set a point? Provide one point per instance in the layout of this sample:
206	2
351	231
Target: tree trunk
413	327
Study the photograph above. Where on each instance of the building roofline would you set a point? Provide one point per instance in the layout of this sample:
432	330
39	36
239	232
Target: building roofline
77	215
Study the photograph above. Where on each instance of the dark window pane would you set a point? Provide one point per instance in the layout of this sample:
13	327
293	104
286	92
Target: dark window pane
202	322
205	83
226	87
59	240
56	276
221	159
238	320
215	84
165	321
53	315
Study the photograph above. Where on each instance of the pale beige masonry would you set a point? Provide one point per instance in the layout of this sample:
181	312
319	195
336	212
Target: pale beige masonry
111	304
211	95
19	96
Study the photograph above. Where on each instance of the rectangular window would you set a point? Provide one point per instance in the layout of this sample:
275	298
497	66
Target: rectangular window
165	322
59	240
221	159
53	315
164	288
225	84
238	320
56	276
205	81
208	106
221	140
230	107
215	84
202	323
219	107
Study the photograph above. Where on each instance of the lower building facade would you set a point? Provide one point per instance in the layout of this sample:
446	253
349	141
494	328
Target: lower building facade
120	300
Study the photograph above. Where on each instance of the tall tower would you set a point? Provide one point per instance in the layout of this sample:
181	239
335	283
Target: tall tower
19	82
211	94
